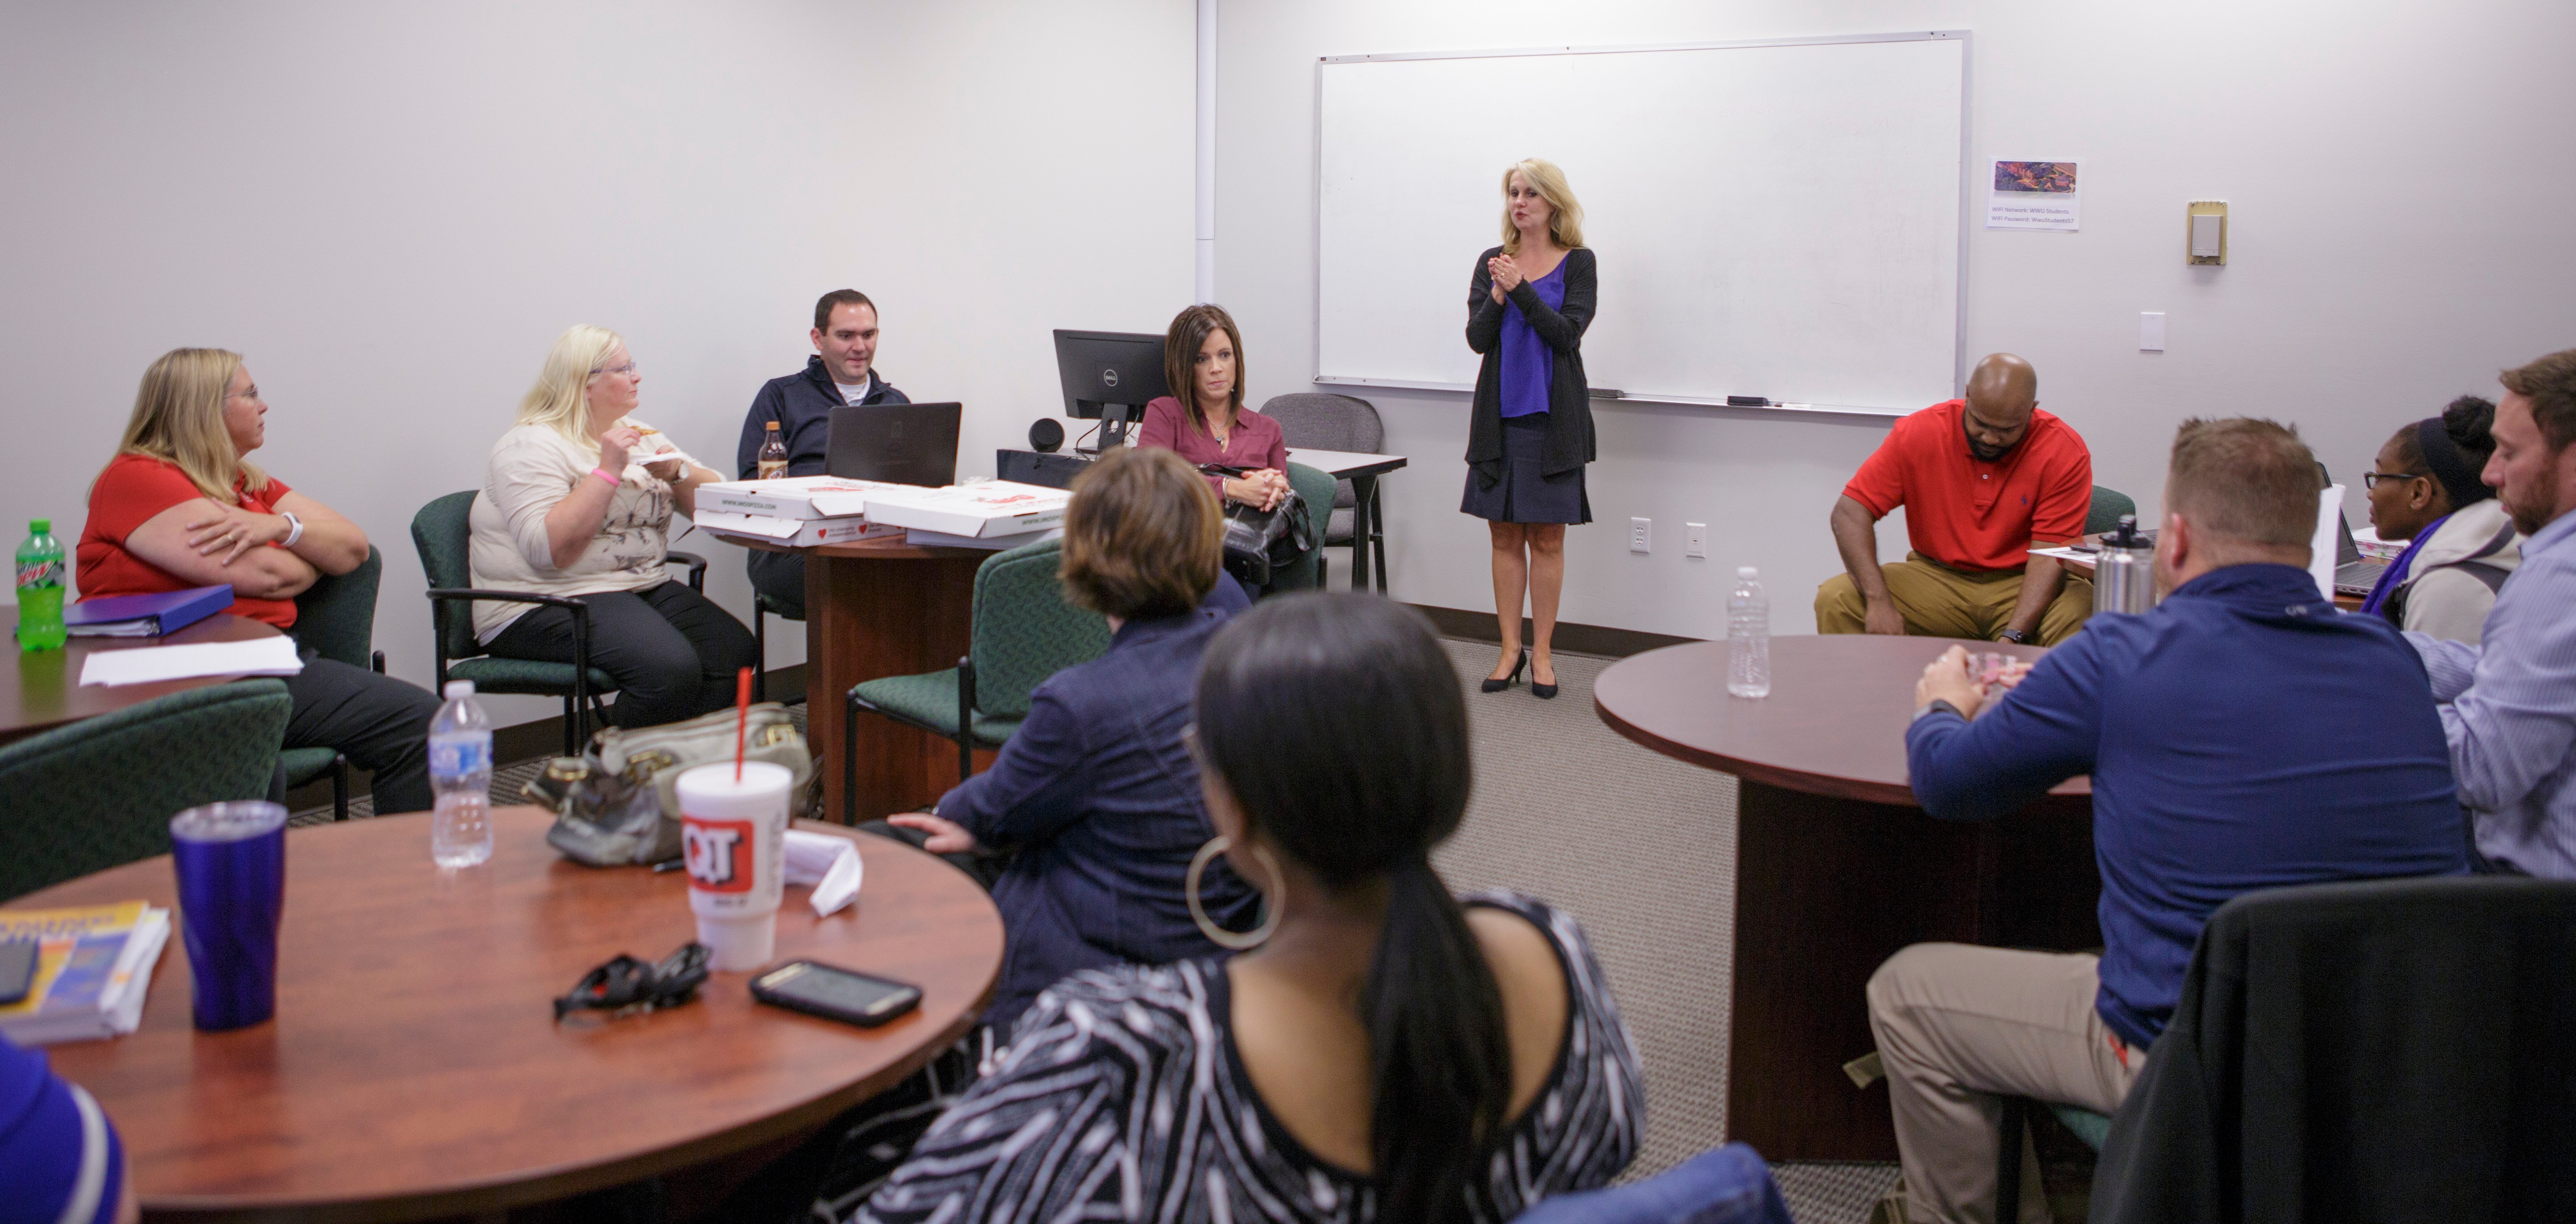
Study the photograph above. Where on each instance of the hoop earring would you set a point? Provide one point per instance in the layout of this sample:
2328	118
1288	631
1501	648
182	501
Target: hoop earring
1221	937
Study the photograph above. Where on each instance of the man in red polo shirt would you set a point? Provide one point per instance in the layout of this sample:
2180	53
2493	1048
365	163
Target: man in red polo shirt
1981	479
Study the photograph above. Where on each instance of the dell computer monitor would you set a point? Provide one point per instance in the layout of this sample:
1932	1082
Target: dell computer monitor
914	444
1109	376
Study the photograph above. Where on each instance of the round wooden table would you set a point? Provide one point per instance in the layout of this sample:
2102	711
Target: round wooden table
49	694
1837	868
415	1069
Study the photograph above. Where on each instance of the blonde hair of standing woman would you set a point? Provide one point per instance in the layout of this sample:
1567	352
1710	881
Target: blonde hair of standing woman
558	401
179	417
1565	217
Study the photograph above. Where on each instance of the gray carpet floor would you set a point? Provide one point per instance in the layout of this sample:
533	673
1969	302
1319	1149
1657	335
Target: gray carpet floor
1641	848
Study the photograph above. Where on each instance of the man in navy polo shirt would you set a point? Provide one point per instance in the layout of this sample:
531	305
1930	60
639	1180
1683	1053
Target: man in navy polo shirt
841	371
2242	735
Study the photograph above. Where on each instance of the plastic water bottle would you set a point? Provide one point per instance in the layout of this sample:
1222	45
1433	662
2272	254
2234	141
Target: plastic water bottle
40	588
1748	636
460	773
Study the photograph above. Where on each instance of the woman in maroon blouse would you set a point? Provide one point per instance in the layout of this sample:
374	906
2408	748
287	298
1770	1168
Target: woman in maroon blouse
1203	360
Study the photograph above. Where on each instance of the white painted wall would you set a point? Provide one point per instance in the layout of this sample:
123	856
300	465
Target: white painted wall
2400	199
392	211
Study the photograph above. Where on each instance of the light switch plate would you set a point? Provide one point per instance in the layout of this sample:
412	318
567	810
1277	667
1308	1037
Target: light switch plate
2151	331
1641	535
1695	540
2205	233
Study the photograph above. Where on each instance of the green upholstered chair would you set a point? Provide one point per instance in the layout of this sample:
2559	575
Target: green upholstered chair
1023	631
1318	488
2108	506
441	533
2087	1125
336	619
101	792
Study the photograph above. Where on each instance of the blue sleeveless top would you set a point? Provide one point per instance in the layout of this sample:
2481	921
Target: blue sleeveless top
1529	366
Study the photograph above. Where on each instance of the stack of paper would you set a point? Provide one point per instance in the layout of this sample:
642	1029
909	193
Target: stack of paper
268	656
992	514
93	967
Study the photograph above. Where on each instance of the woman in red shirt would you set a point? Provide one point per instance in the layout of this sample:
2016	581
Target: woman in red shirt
179	507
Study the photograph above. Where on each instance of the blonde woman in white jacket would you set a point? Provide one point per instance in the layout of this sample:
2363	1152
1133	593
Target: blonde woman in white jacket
2425	488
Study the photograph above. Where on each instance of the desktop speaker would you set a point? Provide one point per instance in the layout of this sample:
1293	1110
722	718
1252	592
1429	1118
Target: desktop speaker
1046	435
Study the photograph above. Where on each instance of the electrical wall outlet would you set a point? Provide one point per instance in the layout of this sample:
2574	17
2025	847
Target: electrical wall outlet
1695	540
1641	535
2151	331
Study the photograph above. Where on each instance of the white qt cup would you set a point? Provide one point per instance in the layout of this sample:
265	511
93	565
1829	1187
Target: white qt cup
733	836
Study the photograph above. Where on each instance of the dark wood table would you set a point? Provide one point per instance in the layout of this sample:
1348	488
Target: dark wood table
872	609
1836	866
49	693
415	1069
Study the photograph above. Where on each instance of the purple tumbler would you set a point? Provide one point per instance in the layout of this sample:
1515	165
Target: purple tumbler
232	891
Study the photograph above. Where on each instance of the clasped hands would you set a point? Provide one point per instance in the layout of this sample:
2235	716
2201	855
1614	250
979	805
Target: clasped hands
1948	678
1507	276
1262	490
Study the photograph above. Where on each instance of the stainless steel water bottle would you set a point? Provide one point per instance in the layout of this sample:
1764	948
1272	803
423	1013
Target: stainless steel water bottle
2125	578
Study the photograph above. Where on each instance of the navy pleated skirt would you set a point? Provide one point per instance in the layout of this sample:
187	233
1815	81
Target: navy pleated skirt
1523	495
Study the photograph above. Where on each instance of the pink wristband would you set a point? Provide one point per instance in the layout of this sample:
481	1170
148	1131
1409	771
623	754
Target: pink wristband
602	473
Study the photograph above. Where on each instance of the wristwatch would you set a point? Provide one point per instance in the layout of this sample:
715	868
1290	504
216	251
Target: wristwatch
2014	636
294	528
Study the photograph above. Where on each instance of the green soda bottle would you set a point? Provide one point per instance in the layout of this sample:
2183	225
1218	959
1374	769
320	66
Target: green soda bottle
40	589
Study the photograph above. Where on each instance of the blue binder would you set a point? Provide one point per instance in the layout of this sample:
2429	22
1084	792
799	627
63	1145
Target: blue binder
146	615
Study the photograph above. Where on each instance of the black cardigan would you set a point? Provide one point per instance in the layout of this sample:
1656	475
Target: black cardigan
1569	397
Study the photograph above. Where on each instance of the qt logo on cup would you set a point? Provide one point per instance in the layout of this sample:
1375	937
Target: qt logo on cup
718	853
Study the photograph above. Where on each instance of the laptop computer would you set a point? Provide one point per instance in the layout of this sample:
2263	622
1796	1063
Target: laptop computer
914	444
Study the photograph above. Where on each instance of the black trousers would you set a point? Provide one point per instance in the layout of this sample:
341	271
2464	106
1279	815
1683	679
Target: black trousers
671	652
381	724
781	577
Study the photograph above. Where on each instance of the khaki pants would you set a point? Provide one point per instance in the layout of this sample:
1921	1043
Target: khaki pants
1938	601
1960	1027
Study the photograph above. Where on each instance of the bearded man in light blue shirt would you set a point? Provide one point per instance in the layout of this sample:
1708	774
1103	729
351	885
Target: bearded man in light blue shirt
2509	704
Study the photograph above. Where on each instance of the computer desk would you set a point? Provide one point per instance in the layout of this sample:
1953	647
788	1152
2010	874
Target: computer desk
1368	514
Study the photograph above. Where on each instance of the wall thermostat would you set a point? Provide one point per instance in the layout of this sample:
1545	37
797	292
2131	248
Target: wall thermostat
2206	241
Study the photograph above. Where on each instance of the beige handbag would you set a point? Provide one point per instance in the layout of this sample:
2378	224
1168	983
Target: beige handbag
619	803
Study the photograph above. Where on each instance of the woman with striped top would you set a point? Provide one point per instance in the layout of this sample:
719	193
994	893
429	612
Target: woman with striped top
1381	1053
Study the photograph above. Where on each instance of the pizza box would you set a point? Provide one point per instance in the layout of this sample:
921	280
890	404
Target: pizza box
792	497
983	510
794	533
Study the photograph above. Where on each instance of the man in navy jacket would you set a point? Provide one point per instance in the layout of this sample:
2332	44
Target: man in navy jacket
2242	735
841	371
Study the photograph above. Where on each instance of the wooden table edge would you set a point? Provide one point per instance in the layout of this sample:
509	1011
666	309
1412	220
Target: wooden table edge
1755	771
556	1184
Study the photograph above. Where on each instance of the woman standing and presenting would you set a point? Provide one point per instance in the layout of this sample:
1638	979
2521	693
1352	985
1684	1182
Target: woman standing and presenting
1531	429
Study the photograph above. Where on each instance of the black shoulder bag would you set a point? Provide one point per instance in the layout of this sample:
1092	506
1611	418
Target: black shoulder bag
1259	542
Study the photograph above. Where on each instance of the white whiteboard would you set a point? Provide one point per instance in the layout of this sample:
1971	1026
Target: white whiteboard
1781	219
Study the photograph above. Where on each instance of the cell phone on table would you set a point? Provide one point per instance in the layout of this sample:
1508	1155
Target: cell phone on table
17	970
835	994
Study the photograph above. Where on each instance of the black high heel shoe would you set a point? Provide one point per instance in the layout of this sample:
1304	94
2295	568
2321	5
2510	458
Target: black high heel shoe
1495	686
1544	692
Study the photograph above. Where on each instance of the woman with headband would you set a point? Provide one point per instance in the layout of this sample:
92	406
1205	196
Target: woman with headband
2425	488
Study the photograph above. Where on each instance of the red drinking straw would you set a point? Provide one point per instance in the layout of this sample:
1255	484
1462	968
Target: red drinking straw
741	718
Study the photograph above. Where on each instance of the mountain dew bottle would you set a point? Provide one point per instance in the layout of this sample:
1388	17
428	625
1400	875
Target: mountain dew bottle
40	588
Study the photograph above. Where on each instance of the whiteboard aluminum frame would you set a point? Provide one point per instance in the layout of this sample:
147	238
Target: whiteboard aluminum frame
1967	183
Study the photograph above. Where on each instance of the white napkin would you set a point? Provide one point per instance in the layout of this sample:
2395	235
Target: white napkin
831	864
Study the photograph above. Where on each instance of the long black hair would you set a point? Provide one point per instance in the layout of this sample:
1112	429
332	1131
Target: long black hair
1337	723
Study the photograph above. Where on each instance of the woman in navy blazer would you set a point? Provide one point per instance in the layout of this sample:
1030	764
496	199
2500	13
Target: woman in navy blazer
1094	797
